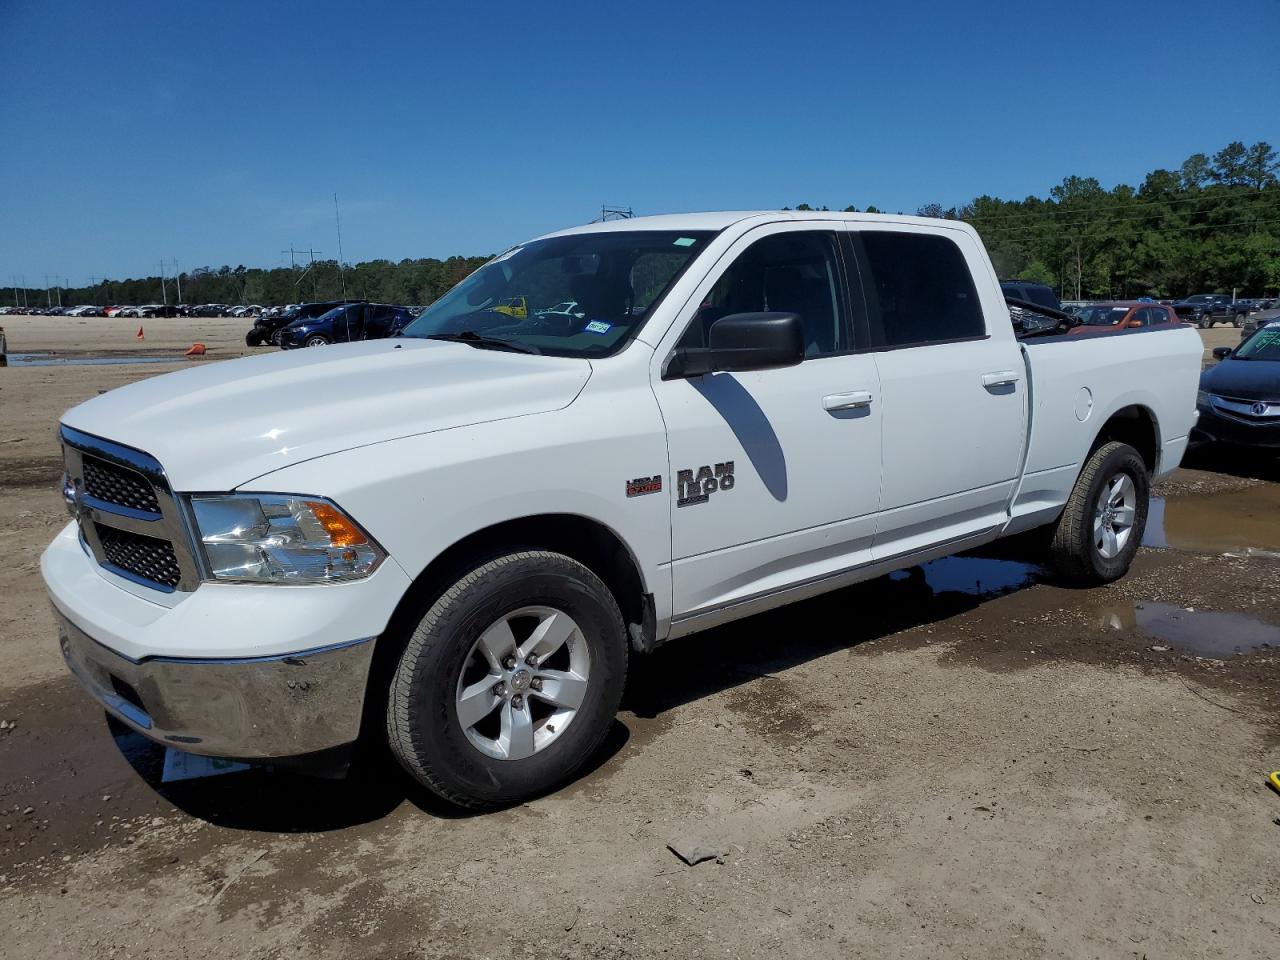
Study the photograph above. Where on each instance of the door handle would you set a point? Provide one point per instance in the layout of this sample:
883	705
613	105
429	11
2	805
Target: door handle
847	401
1000	378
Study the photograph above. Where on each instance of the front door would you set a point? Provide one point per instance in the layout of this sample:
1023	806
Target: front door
776	472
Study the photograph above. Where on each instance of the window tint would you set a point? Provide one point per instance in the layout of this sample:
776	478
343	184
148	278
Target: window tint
795	272
1143	317
918	289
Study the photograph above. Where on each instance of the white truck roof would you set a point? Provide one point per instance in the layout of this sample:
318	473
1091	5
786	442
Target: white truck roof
718	220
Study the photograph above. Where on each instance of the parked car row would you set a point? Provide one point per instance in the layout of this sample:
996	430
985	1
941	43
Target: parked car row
326	322
144	310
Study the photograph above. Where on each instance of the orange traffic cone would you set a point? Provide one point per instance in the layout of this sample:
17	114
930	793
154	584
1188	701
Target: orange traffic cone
139	334
195	350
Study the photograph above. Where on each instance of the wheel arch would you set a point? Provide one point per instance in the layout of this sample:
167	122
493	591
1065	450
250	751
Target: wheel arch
592	543
1136	425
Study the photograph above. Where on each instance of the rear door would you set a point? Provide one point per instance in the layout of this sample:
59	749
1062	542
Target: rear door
953	391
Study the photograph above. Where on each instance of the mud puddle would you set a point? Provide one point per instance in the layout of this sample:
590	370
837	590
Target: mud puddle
73	782
1246	522
1201	633
981	577
56	360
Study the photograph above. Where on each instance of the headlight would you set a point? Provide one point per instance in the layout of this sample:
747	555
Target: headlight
273	538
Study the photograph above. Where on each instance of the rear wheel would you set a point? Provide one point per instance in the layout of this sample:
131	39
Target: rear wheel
510	681
1102	525
315	340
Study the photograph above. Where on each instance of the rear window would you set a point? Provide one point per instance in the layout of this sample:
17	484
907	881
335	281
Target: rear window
918	289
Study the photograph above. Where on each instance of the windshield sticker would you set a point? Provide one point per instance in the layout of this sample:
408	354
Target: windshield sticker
685	242
598	326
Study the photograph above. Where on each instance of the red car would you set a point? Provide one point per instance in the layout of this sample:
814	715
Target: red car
1118	315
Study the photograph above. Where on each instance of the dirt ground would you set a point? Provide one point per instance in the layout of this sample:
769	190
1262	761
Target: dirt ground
959	761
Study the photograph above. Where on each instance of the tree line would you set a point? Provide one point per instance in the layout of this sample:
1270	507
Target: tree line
1212	225
408	282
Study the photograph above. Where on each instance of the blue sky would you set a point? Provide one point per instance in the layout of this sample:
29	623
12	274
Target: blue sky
217	132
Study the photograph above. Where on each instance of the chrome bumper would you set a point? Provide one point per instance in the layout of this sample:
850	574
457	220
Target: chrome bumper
251	709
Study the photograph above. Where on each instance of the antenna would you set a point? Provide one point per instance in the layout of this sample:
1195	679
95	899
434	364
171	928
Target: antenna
338	219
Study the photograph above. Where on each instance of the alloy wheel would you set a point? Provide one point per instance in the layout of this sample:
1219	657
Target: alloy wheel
522	683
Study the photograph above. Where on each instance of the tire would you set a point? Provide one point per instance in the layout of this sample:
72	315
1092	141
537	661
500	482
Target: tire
315	340
253	338
446	657
1236	322
1075	552
1205	323
275	337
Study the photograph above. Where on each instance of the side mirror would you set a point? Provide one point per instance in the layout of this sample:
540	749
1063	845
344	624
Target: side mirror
1221	353
741	342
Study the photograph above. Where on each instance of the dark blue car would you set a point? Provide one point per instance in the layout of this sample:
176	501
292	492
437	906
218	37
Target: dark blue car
352	321
1239	399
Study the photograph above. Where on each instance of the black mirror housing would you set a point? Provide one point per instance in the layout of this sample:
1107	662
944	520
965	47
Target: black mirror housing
740	342
1221	353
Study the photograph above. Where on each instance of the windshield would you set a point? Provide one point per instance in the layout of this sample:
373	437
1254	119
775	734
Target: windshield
1101	316
583	295
1263	345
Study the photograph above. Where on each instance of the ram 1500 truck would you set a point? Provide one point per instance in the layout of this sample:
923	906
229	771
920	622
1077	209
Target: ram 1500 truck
451	542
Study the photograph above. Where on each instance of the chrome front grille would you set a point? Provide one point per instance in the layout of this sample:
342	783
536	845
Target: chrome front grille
130	520
145	557
118	485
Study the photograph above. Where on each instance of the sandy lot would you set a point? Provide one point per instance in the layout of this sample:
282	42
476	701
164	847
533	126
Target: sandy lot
962	761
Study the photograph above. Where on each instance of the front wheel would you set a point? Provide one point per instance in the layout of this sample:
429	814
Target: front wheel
510	681
1205	323
1102	525
315	340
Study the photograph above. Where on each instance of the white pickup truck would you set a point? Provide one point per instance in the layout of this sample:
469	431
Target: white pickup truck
451	542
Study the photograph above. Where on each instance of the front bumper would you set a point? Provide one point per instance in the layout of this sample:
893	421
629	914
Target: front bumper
258	709
251	672
292	339
1214	427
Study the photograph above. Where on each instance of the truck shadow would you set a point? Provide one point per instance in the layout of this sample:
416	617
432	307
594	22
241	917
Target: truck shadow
767	643
72	770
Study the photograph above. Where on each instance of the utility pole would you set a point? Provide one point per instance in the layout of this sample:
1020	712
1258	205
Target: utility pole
48	292
315	295
100	282
177	278
341	275
164	295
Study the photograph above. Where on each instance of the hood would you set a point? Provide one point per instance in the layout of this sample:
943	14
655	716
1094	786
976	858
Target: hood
1246	379
215	427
